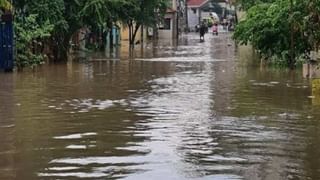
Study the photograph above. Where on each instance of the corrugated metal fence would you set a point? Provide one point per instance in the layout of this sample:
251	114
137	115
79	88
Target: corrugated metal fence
6	43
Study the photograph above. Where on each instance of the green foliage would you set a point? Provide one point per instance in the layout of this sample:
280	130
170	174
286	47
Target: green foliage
247	4
142	12
268	28
58	20
146	11
48	10
28	34
5	4
102	10
311	23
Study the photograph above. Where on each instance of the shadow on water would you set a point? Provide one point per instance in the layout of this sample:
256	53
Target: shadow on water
174	110
7	124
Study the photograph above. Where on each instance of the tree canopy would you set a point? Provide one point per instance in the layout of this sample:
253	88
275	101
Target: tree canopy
66	17
279	28
247	4
6	5
142	13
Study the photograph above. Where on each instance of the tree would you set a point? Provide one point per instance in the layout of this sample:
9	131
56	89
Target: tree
247	4
311	23
38	21
107	13
66	17
142	13
29	35
273	27
5	4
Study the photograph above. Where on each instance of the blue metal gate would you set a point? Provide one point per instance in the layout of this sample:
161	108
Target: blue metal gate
6	43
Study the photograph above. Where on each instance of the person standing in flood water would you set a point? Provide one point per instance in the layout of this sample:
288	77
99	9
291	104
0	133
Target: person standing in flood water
202	30
215	29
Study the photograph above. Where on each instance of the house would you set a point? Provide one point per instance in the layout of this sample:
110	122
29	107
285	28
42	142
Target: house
140	36
168	28
204	9
194	13
174	22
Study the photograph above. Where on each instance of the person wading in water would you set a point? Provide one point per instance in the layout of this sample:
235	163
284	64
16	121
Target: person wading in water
203	29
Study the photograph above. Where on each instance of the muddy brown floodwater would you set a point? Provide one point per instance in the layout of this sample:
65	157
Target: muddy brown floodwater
184	110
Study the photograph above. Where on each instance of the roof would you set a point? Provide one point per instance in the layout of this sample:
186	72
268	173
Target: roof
170	10
196	3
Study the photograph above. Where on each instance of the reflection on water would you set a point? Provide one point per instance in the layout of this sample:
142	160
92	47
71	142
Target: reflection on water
178	111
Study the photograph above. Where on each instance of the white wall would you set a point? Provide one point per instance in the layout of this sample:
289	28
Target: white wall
172	33
193	19
205	14
166	33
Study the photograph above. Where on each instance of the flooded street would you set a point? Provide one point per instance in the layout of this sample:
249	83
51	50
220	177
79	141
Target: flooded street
184	110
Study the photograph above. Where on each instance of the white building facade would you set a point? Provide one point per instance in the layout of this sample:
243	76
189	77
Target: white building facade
168	28
194	13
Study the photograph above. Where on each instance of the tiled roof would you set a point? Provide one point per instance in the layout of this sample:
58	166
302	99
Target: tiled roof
196	3
170	10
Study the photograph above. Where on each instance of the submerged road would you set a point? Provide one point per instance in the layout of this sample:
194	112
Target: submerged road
184	110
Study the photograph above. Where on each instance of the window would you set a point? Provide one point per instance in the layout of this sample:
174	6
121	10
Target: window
166	24
194	10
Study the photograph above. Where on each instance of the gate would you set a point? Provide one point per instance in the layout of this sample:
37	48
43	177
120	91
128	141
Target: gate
6	42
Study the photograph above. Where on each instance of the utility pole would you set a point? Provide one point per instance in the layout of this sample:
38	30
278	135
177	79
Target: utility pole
177	16
142	34
186	15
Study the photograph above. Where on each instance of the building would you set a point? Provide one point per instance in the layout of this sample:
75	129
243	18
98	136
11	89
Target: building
175	20
168	28
140	36
182	16
197	10
194	13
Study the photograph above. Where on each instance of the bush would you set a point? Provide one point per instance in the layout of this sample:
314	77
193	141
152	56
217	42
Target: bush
29	36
